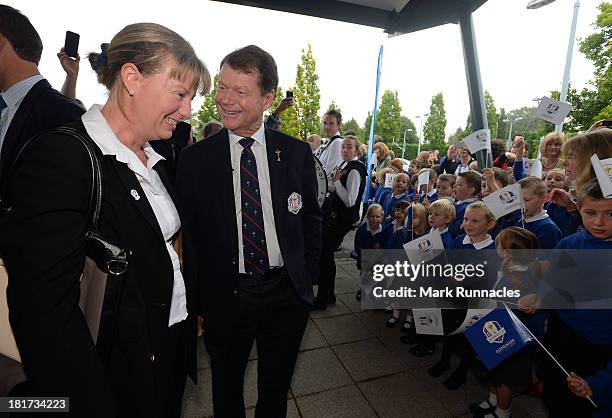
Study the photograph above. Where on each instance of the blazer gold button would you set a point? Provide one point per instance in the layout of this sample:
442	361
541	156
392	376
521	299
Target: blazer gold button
235	292
152	358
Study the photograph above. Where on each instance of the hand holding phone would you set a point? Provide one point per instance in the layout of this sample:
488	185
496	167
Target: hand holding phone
71	44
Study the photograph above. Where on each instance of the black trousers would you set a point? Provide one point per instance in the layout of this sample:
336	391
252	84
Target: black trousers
576	354
272	315
332	237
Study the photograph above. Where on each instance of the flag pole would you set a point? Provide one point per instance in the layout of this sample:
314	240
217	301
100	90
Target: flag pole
545	349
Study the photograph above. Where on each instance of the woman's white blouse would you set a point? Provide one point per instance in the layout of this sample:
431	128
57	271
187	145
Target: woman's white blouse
155	192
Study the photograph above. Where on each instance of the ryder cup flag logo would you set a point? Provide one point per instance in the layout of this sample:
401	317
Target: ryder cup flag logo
497	336
478	140
552	111
423	249
505	200
425	245
494	332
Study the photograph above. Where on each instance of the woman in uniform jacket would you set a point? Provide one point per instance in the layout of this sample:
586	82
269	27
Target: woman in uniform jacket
341	211
152	74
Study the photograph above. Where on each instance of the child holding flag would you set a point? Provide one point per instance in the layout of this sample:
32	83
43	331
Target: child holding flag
534	217
398	194
518	270
580	338
597	386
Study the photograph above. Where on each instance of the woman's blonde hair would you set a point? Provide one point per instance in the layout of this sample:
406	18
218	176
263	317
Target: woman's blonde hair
419	212
550	137
384	150
583	146
150	47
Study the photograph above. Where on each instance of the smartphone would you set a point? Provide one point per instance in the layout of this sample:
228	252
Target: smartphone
289	93
71	45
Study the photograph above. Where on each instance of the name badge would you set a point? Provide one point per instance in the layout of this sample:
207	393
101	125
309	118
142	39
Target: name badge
294	203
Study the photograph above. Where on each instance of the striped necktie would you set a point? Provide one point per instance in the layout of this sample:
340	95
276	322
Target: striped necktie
254	248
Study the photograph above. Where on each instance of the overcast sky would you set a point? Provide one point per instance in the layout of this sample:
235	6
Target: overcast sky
522	52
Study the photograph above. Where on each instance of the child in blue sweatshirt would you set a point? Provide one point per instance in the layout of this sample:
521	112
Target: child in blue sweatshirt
598	387
441	215
580	338
467	186
371	234
400	187
535	218
567	222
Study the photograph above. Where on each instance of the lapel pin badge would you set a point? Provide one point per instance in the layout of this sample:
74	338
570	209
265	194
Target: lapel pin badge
135	194
278	153
294	203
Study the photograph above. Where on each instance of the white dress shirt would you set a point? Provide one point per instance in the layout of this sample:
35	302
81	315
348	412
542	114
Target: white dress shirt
478	245
330	155
265	192
348	194
13	98
155	191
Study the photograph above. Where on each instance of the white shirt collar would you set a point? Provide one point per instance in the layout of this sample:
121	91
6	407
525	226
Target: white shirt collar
443	231
469	200
15	94
100	131
380	228
398	196
518	267
336	134
259	136
480	245
538	217
430	194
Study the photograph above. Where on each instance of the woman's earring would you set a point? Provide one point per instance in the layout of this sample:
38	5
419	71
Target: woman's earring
131	92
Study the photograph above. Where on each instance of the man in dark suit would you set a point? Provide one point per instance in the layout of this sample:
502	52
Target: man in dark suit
249	195
28	104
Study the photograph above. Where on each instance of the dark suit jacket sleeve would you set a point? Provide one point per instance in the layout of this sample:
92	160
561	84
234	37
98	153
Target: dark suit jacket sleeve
312	217
50	197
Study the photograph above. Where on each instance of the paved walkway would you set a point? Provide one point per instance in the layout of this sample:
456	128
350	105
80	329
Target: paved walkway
351	365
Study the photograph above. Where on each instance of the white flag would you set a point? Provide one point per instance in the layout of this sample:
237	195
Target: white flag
428	321
505	200
389	180
478	140
374	158
532	167
406	168
552	111
424	248
423	180
603	171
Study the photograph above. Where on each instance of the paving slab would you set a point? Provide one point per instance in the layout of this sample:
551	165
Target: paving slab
312	337
335	309
317	371
350	302
401	396
345	402
343	329
367	359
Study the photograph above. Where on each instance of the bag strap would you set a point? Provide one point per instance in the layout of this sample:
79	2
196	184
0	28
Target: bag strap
95	203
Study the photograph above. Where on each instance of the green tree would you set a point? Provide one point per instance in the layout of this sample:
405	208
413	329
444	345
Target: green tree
406	125
388	117
351	125
306	95
503	124
435	125
277	99
208	110
597	47
456	137
289	121
367	124
492	117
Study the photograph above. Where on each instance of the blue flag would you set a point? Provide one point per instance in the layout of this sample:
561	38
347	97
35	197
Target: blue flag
497	336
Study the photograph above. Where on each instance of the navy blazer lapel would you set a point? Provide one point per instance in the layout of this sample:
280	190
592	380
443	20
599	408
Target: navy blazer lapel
277	167
10	144
136	195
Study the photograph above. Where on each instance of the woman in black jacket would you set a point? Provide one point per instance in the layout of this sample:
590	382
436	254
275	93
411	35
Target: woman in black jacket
152	74
341	211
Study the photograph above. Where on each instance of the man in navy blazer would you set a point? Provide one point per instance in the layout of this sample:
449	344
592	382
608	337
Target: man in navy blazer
28	104
249	194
